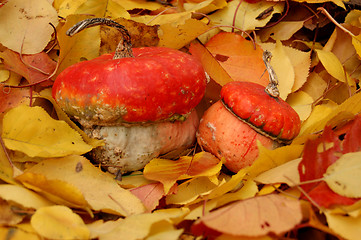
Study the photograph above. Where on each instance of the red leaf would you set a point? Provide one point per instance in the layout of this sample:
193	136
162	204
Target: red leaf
318	155
37	67
12	97
352	142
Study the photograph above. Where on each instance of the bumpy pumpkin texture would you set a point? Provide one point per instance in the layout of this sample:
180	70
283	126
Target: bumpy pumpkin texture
157	84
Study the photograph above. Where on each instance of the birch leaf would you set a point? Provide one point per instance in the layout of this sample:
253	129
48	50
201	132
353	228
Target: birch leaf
23	196
346	226
168	171
59	222
24	25
246	15
332	64
32	131
343	175
78	172
253	217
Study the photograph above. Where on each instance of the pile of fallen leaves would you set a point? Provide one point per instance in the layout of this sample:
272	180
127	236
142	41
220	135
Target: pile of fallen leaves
308	189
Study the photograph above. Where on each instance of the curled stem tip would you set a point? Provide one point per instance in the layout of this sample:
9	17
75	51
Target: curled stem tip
272	87
124	48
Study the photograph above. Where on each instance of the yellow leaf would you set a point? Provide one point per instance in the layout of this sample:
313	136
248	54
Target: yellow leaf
57	191
6	170
177	36
269	159
283	67
164	230
229	185
32	131
353	18
315	86
206	6
248	190
102	8
282	31
17	234
190	190
4	74
356	42
139	4
327	115
63	116
343	175
78	172
82	46
285	173
139	226
133	180
168	171
346	226
24	25
59	222
176	19
23	196
301	102
99	8
337	2
8	216
332	64
247	13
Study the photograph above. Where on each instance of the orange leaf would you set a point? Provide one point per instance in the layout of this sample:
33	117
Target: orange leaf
34	68
149	194
210	64
241	59
253	217
12	97
168	172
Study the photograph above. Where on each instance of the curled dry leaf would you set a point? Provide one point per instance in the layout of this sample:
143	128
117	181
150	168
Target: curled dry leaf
168	172
253	217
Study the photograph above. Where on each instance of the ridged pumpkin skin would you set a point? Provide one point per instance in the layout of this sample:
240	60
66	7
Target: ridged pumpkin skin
156	84
224	135
133	104
231	127
272	116
131	148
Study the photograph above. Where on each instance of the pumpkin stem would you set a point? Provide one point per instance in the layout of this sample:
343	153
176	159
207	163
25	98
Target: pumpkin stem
272	87
124	48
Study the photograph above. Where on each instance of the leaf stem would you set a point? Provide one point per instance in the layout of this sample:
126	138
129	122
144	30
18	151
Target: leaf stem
272	87
328	15
124	48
